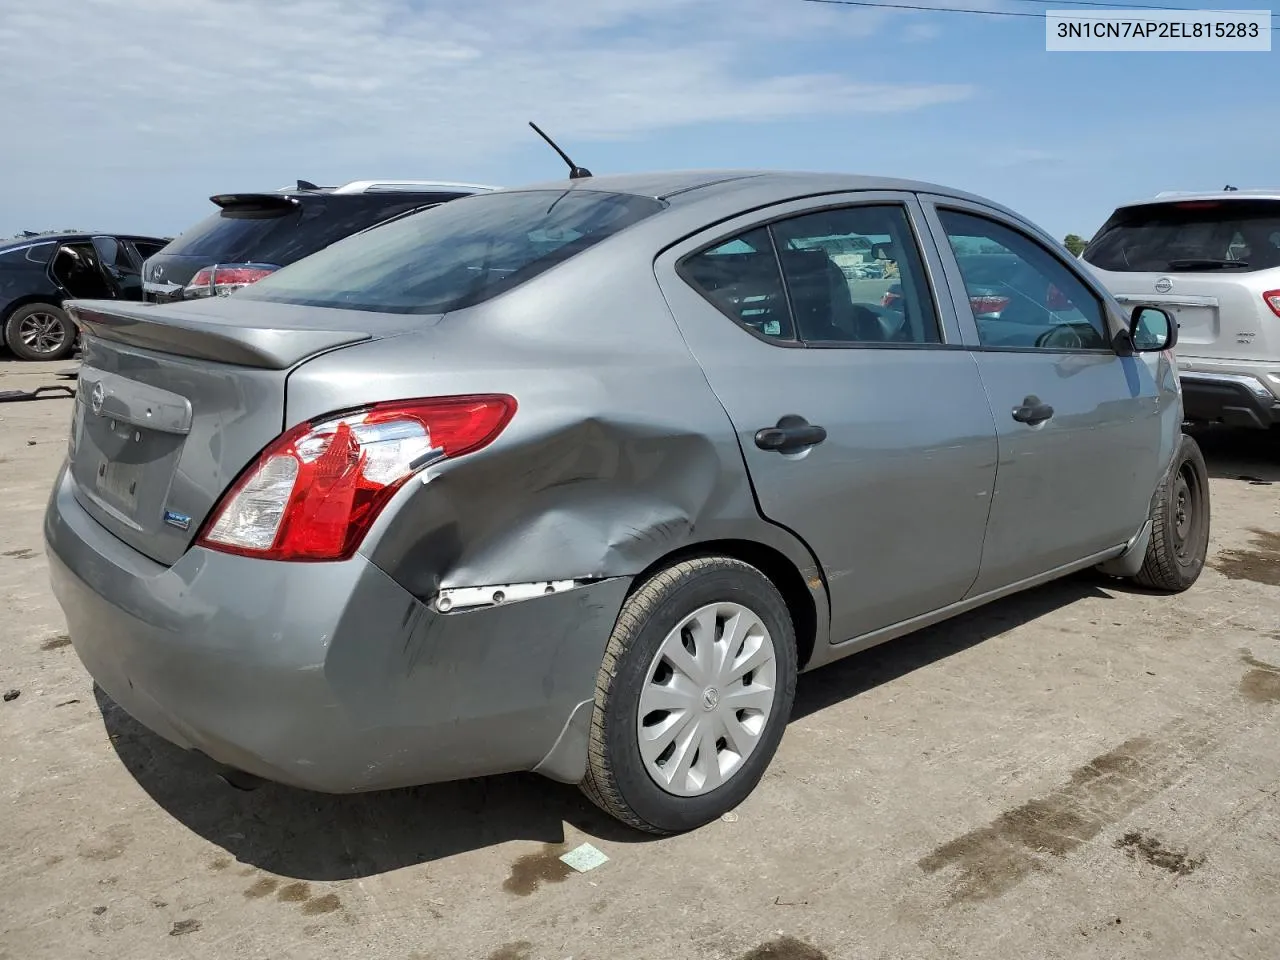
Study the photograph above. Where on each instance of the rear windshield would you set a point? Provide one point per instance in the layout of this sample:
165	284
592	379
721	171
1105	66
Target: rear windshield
283	232
455	255
1190	236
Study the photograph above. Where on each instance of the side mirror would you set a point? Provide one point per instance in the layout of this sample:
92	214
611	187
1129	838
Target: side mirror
1152	329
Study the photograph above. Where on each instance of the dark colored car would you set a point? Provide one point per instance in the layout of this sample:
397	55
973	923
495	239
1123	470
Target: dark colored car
39	273
254	234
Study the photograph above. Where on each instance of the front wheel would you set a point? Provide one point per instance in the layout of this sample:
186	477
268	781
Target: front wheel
40	331
1179	524
693	696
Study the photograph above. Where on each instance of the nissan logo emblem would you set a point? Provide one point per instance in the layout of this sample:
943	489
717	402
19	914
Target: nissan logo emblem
1164	285
96	398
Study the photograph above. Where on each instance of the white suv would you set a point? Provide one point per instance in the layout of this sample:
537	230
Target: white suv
1213	261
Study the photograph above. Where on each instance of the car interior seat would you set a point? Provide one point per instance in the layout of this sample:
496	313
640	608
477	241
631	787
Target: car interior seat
822	303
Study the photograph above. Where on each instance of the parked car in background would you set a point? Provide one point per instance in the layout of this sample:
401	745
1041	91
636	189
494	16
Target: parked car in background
253	234
576	478
1213	261
40	273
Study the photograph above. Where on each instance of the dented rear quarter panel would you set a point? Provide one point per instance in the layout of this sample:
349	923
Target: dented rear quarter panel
619	453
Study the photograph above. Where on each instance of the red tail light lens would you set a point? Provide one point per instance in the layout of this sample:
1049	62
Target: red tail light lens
315	491
981	305
890	298
1272	300
221	278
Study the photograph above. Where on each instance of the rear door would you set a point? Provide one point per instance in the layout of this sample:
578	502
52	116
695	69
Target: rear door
1080	428
116	262
865	428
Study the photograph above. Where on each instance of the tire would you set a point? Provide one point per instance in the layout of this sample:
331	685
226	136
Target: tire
1179	524
619	778
40	331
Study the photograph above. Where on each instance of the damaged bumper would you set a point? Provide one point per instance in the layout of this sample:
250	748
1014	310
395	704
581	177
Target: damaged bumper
329	676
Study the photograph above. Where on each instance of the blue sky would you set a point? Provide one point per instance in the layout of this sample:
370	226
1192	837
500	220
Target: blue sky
150	106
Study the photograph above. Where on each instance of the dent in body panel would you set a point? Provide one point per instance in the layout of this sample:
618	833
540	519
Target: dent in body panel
617	456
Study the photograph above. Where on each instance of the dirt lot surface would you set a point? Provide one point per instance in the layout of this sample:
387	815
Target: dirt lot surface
1083	771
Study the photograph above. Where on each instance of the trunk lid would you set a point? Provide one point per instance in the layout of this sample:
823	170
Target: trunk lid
1218	315
175	401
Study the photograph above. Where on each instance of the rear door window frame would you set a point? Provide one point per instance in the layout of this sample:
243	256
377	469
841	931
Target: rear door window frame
933	273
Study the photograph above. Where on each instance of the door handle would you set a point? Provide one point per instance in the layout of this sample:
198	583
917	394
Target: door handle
1032	411
792	434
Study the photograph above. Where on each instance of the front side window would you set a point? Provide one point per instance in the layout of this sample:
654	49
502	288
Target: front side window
455	255
1021	295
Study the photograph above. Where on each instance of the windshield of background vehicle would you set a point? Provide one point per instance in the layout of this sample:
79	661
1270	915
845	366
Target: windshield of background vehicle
455	255
1190	236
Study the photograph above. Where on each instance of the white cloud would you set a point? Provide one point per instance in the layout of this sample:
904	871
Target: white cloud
103	88
450	77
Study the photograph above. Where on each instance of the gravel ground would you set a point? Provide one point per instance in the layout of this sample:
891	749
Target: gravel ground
1081	771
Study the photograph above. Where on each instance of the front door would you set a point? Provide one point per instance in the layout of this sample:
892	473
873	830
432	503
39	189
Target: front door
1079	427
864	426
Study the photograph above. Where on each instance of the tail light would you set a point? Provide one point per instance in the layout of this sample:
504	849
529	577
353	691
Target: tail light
221	278
1272	300
315	491
890	298
982	305
1055	299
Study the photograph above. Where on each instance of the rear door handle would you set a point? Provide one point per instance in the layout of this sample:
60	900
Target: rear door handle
792	434
1032	411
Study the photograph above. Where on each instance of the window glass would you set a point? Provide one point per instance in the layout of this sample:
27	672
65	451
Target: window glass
855	275
147	248
455	255
740	277
113	255
1190	236
1020	293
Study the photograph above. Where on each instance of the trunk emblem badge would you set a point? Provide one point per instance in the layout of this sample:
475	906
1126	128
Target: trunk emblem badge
97	398
179	520
1164	285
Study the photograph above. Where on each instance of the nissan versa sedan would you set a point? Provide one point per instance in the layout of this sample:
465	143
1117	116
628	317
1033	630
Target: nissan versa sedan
576	478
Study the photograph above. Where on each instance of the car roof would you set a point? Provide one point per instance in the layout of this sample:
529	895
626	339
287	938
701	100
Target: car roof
1191	196
15	242
668	185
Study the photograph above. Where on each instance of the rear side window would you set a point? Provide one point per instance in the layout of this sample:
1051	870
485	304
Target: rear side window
38	254
457	254
741	278
844	276
1190	237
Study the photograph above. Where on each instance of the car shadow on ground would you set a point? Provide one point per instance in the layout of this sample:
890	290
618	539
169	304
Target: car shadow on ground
309	836
1247	456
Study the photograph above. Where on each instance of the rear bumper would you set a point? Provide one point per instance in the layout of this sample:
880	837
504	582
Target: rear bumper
326	676
1235	399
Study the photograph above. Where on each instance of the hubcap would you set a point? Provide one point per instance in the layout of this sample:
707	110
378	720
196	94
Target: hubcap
707	698
42	333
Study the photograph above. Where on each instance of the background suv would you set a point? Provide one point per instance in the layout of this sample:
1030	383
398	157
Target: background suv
1213	261
254	234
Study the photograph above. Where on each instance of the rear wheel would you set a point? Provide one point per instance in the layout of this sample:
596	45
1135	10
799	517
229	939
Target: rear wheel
40	331
1179	524
693	696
